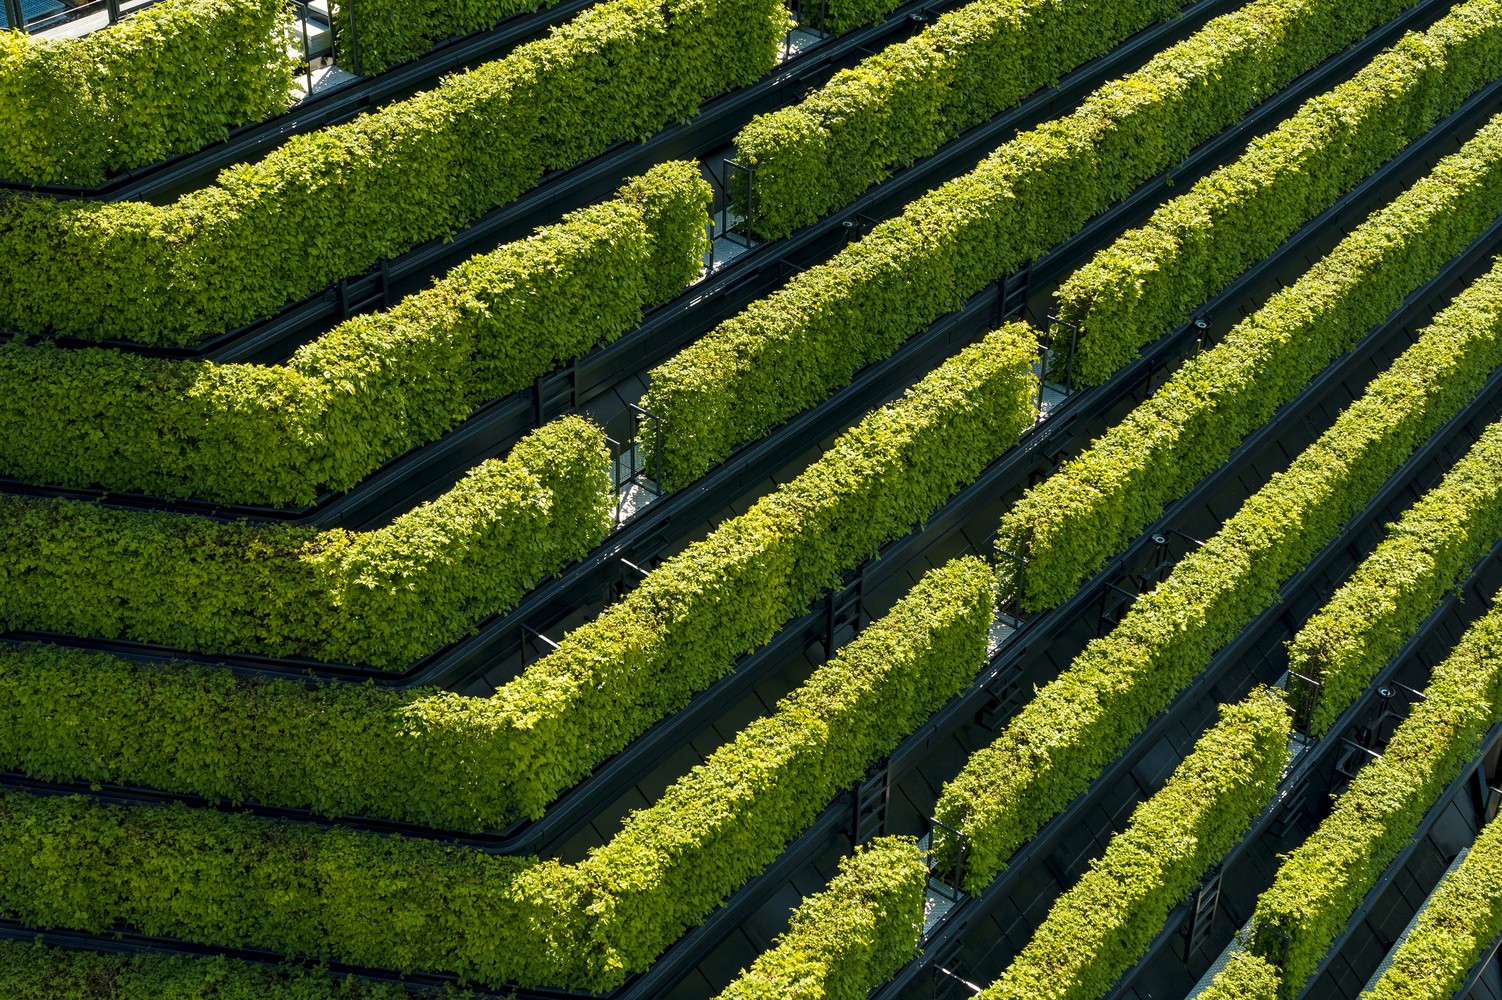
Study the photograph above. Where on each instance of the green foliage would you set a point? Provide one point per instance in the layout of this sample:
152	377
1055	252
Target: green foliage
72	715
590	923
1459	922
388	33
674	863
1321	883
384	598
202	731
1150	279
1429	551
905	101
788	351
675	634
851	937
376	386
1245	977
210	877
684	626
332	203
169	79
34	972
1068	526
842	15
1099	928
1081	721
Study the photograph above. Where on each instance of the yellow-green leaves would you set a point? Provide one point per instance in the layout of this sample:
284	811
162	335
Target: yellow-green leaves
170	79
384	597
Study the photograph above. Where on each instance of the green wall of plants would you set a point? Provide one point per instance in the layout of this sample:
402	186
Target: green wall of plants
1150	279
907	100
1107	921
1321	883
421	904
1069	525
1462	918
788	351
850	938
1080	722
332	203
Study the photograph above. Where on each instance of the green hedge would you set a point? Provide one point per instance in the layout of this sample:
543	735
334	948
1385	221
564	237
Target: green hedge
1462	919
788	351
1321	883
1150	279
676	633
684	626
391	32
849	938
332	203
674	862
169	79
1069	525
1245	977
384	598
907	100
1105	923
34	972
375	387
1080	722
590	923
1426	554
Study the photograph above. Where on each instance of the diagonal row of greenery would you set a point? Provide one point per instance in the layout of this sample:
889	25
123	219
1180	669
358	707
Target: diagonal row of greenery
452	761
845	940
1150	279
1244	977
907	100
1077	724
1107	921
235	880
1321	883
31	971
1425	555
788	351
371	389
384	598
1462	918
1435	543
330	204
390	32
1069	525
170	79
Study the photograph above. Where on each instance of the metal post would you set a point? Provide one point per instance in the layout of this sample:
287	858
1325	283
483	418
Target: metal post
113	7
13	16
